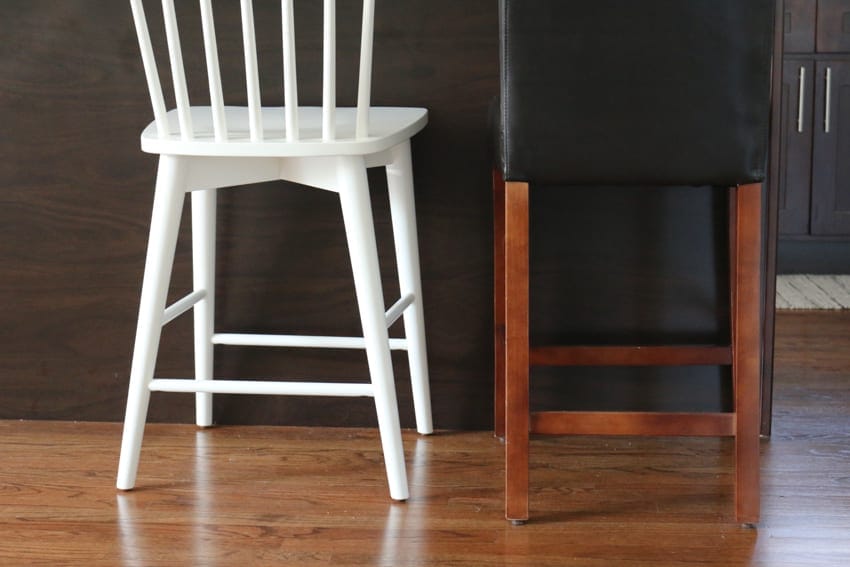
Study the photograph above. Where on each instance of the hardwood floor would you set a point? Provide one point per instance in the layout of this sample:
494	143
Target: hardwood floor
299	496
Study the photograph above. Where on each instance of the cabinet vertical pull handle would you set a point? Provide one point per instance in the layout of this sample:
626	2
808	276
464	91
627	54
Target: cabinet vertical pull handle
826	111
800	99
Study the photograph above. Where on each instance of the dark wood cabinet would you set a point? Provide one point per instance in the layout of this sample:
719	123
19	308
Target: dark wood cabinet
831	150
833	26
795	154
799	26
814	169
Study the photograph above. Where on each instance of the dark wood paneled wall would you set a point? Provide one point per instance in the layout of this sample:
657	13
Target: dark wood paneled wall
76	195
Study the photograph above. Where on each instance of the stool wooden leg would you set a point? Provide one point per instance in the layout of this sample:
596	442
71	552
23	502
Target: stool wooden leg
517	351
203	278
362	247
165	222
499	301
746	362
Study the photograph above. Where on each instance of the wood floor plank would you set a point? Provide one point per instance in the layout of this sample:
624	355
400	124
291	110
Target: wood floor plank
306	496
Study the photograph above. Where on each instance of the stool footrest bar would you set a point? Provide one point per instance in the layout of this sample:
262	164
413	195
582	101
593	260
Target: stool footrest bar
394	312
264	387
309	341
633	423
180	306
630	355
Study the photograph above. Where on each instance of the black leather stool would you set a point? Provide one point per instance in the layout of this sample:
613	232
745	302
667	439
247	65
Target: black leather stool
612	93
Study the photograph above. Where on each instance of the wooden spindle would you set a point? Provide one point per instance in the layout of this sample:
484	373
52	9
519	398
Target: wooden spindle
178	75
329	72
213	71
149	63
290	84
252	75
364	85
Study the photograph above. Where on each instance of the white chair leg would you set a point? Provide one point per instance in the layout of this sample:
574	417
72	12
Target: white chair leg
165	222
203	276
403	210
360	233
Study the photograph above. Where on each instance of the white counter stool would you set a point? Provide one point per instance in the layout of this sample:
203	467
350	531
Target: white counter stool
203	148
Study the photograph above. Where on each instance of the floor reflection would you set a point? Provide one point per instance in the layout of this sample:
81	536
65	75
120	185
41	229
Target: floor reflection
180	521
202	490
130	538
402	535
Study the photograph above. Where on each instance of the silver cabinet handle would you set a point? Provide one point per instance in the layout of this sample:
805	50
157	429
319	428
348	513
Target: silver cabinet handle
826	111
801	98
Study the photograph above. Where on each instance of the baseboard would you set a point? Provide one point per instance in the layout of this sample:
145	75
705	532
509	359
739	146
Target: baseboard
813	257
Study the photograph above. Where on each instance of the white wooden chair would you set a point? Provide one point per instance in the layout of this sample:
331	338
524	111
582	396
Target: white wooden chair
203	148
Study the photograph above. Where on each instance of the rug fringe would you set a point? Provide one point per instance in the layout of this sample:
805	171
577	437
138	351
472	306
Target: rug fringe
830	292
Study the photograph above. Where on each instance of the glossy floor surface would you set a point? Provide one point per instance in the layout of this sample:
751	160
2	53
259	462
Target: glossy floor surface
290	496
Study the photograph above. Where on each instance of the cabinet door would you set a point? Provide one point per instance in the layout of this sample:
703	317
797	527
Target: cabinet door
798	26
833	25
831	152
795	148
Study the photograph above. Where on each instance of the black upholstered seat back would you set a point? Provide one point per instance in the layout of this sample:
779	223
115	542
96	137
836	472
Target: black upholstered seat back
661	92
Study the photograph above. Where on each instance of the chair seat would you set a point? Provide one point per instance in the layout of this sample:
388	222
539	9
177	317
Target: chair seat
388	126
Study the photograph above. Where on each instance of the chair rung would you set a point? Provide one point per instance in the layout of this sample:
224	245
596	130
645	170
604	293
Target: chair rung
262	387
633	423
394	312
309	341
630	355
181	306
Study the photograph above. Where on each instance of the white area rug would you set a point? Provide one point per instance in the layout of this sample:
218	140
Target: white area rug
812	292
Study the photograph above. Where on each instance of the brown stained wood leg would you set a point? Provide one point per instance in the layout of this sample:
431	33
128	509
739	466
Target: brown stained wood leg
746	364
499	301
517	351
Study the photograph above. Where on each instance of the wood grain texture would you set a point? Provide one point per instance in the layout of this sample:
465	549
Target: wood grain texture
266	495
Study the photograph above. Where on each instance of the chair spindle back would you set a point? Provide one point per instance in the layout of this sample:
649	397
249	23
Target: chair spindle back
252	77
